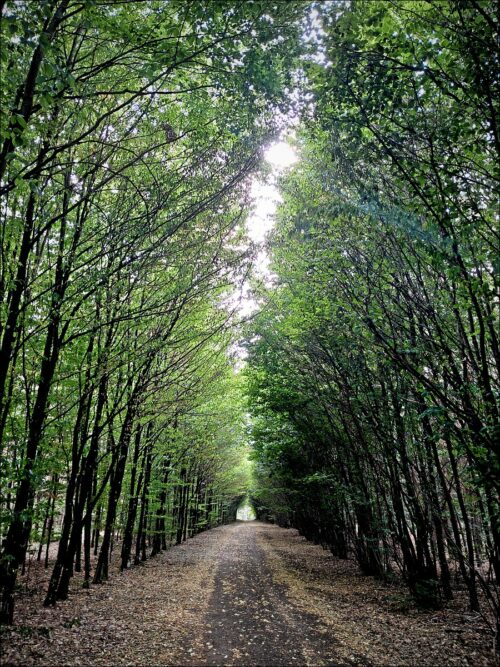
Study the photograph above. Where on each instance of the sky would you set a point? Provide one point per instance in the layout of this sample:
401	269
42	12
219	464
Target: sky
266	196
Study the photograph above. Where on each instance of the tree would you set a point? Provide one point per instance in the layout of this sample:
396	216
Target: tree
374	367
122	198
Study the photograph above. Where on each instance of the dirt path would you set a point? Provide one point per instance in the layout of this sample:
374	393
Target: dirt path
251	621
244	594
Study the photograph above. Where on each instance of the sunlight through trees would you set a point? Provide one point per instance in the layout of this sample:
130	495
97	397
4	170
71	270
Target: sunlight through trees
250	268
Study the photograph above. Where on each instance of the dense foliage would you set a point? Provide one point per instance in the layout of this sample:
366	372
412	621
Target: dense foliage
374	368
128	131
129	135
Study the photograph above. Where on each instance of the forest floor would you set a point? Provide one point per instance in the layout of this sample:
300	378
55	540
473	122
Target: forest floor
243	594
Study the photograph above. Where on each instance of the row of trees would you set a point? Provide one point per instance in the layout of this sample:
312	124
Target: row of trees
127	135
374	367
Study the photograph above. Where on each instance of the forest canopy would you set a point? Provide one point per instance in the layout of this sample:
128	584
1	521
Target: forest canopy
365	409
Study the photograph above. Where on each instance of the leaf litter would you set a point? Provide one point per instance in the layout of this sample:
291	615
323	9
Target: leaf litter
242	594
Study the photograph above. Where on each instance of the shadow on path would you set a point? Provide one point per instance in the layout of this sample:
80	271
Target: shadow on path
250	619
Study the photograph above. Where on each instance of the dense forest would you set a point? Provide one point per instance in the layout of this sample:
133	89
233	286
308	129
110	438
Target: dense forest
359	402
